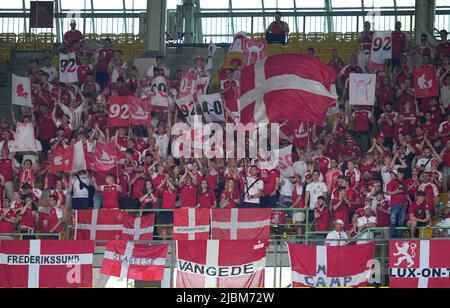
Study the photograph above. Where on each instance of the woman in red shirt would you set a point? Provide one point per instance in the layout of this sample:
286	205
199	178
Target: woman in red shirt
29	217
206	197
148	201
7	218
230	197
168	191
27	173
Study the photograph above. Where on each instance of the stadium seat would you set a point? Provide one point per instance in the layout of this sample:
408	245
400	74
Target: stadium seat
92	37
292	48
140	38
316	37
45	41
137	49
351	36
111	36
274	49
296	37
259	36
26	42
125	38
334	37
10	38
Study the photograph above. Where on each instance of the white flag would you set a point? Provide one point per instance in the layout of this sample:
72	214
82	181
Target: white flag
381	49
212	107
159	94
286	164
362	89
68	68
25	140
21	91
79	159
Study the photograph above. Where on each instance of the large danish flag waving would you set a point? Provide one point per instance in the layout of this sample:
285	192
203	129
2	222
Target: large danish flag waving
98	225
419	264
137	228
287	87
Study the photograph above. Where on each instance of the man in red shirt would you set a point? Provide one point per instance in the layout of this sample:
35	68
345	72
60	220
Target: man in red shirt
387	125
271	179
110	192
278	31
105	56
419	214
365	42
7	172
344	75
397	190
188	189
322	215
399	44
362	119
7	218
442	48
73	39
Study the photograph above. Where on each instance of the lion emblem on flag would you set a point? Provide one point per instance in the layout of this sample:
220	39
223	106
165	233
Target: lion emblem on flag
404	254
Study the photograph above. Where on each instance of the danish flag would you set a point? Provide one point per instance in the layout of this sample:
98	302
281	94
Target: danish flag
134	261
62	160
420	264
287	87
136	228
240	224
98	225
191	224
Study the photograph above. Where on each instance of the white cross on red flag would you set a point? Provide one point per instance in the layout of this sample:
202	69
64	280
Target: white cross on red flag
46	264
138	228
287	87
191	224
420	264
98	225
135	261
240	224
221	264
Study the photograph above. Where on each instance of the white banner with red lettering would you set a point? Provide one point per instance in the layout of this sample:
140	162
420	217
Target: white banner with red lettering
134	261
191	224
362	89
381	50
98	225
46	264
425	82
240	224
212	107
188	84
68	68
332	267
21	91
221	264
285	164
254	50
420	264
24	139
159	94
137	228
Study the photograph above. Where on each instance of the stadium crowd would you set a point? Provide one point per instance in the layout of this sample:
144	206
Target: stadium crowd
365	167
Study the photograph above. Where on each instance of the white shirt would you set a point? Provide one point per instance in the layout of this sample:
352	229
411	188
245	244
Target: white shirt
254	189
367	235
286	187
335	238
316	190
77	192
301	168
423	161
162	142
51	71
445	96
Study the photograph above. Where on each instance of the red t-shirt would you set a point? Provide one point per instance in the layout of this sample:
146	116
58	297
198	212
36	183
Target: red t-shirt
138	189
189	196
82	72
442	49
212	180
6	227
55	215
110	197
362	120
383	219
103	63
418	210
398	44
169	199
323	222
47	128
6	169
73	36
207	200
269	177
393	185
